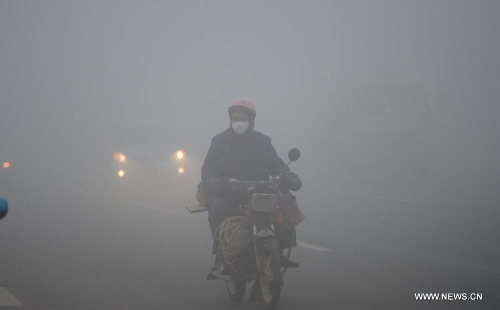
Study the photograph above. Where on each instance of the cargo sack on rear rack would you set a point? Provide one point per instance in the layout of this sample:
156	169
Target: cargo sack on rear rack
288	210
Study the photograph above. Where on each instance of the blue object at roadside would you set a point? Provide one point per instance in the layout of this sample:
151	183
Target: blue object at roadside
4	208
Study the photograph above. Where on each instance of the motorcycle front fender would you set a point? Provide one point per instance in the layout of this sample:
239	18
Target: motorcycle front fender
264	232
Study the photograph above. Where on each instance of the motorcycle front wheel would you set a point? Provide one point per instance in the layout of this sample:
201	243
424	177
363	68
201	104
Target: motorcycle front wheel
236	290
270	276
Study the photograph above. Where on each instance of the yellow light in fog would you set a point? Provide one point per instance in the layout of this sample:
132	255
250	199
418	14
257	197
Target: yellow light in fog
180	170
6	164
121	173
180	154
122	158
119	157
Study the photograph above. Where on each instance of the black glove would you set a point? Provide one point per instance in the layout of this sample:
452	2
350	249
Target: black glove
291	180
216	185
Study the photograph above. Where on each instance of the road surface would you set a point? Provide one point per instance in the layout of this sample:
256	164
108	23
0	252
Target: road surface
360	253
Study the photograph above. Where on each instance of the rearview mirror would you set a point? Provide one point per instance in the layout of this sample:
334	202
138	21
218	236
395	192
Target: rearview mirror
294	154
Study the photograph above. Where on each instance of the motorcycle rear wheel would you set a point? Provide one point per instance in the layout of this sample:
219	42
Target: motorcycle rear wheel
271	280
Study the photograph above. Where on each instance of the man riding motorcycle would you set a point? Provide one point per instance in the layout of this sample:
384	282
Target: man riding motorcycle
243	154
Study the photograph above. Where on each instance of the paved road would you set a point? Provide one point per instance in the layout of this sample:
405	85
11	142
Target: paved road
363	253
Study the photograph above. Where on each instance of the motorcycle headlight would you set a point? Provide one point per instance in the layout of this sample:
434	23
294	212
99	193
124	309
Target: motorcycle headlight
264	202
121	173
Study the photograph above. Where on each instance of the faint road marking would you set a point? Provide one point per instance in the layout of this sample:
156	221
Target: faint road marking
158	208
7	299
437	200
312	247
388	198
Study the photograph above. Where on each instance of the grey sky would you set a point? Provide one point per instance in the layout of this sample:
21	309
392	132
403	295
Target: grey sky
70	65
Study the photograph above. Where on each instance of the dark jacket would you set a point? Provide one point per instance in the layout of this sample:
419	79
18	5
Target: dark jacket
249	156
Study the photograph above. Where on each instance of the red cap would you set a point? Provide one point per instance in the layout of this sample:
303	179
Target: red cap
243	104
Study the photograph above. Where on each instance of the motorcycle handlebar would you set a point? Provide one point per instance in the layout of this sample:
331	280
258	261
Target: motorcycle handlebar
274	178
290	181
253	185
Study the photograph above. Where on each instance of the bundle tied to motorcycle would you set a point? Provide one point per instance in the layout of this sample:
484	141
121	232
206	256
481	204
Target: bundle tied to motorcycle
236	232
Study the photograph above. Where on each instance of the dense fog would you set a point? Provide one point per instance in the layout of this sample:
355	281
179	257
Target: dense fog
387	100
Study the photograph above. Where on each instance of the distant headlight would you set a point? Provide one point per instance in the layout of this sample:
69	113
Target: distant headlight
122	158
180	170
121	173
6	164
119	157
180	154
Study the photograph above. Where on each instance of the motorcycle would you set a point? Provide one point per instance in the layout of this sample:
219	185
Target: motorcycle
260	260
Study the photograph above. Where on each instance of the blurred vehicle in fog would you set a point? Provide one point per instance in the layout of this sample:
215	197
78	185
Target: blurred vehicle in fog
7	173
376	132
147	165
5	169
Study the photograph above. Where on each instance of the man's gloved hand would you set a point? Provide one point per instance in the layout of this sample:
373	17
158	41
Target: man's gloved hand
214	185
291	180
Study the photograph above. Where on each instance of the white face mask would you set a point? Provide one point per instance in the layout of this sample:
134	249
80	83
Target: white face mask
240	127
